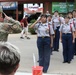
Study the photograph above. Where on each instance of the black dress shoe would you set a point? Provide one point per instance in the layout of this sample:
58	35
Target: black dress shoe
38	61
56	50
44	71
28	38
21	37
65	61
69	62
75	54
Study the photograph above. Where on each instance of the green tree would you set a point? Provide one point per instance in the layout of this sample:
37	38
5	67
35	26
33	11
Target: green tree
74	4
67	6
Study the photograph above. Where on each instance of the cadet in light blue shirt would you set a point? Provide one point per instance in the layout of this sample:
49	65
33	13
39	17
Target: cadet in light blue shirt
74	22
49	20
68	38
67	28
44	31
56	24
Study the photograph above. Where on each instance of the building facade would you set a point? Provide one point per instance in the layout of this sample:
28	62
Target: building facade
47	5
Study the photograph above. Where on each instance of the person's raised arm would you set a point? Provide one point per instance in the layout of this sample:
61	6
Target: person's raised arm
35	22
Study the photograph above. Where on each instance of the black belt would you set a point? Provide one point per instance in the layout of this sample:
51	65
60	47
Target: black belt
67	33
44	37
58	26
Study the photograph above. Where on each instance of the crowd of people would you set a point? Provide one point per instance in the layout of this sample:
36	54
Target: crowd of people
50	30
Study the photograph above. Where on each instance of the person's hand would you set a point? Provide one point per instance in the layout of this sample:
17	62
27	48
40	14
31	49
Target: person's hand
73	41
8	18
61	40
38	19
47	29
51	45
54	36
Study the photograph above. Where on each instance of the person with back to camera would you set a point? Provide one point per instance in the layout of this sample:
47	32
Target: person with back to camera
43	41
9	59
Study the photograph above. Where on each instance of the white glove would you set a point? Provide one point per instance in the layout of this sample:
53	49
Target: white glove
38	18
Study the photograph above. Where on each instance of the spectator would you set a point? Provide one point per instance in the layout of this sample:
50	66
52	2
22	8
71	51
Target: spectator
24	24
9	59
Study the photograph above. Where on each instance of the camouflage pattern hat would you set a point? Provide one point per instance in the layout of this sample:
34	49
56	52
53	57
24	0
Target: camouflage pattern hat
1	10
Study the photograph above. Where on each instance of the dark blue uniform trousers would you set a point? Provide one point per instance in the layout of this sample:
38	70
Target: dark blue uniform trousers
44	50
56	39
67	47
75	47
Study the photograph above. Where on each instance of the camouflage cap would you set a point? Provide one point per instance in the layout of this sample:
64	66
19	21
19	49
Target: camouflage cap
1	10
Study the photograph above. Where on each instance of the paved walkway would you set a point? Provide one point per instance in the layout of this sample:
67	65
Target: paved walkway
28	47
20	73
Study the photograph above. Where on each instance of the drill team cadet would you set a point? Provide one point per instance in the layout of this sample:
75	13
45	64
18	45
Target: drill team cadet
71	21
43	41
74	22
49	20
68	38
56	25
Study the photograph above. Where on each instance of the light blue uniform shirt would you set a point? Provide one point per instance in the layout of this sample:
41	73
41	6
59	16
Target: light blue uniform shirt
71	21
67	28
74	21
56	21
52	24
44	29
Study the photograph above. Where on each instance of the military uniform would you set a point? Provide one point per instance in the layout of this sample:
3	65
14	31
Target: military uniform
67	41
8	26
43	44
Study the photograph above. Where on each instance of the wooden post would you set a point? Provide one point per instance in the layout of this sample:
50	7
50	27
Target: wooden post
17	14
47	7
